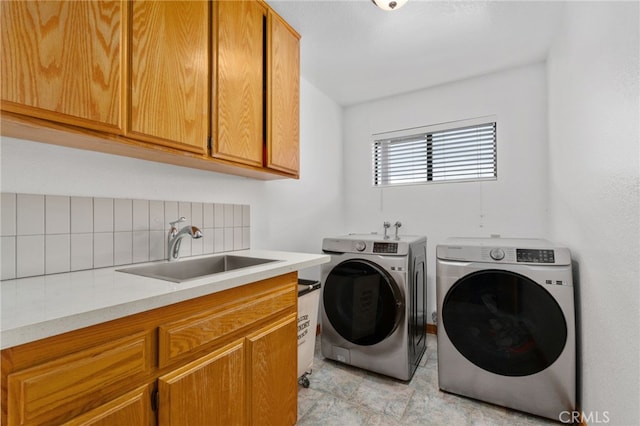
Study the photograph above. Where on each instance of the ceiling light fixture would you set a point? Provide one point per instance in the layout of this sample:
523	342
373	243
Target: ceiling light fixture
389	4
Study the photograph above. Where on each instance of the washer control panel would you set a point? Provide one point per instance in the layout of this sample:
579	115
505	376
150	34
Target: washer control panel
385	248
535	255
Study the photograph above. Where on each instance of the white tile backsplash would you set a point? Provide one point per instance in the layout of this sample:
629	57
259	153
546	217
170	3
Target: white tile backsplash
8	258
122	215
48	234
208	216
30	214
57	253
57	215
29	255
103	215
81	215
8	214
140	215
156	216
122	248
102	249
81	251
218	215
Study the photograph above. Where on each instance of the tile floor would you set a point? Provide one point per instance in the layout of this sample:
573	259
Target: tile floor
343	396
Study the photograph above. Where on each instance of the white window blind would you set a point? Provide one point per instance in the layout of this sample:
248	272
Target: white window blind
452	154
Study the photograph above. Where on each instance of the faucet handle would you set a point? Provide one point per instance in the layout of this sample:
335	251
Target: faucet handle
173	224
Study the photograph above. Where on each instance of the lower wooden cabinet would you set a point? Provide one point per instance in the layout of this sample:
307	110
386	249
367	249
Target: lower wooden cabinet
235	364
209	391
132	408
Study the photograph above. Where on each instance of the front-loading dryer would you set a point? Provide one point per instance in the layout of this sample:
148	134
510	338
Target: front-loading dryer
374	303
506	323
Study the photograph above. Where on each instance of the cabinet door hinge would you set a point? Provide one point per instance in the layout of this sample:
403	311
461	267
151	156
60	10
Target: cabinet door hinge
155	400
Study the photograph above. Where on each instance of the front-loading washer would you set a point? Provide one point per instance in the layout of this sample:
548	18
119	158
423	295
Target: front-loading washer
373	302
506	323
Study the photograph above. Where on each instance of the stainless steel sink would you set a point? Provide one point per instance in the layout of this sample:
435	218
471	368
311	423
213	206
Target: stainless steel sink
191	269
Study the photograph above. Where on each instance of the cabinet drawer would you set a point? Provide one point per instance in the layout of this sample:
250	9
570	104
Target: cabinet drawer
73	384
190	334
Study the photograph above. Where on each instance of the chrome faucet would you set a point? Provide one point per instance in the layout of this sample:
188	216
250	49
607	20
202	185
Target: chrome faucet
175	237
386	226
398	224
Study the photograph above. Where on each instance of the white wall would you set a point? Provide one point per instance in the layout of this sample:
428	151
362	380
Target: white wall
285	214
594	113
513	206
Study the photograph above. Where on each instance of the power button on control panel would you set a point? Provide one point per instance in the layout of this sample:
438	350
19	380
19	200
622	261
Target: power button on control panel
497	254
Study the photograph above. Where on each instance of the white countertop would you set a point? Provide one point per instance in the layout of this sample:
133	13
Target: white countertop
39	307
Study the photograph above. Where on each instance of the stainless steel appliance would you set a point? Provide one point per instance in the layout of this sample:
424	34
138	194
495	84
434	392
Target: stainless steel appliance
506	323
374	302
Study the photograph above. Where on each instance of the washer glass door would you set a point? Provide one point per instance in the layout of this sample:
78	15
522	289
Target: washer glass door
362	302
504	322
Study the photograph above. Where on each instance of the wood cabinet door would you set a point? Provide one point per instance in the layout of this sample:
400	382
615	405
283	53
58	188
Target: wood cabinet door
133	408
272	364
283	97
238	100
206	392
64	61
169	78
65	387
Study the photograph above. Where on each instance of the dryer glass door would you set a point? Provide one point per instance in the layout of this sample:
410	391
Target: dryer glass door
504	322
362	302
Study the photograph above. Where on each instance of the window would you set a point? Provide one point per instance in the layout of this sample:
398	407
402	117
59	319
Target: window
458	151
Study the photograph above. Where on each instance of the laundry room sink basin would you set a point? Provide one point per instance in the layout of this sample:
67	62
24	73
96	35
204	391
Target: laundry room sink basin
185	270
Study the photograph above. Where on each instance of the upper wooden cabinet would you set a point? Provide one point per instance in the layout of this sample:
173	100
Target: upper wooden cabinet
283	96
169	78
213	85
64	61
238	101
256	114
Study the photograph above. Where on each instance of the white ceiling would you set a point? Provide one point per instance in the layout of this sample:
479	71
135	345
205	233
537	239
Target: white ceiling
355	52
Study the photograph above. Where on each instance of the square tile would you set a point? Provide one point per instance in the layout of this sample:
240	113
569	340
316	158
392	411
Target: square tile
156	216
30	255
184	210
246	237
157	245
197	218
122	248
102	249
207	213
197	246
57	253
140	215
228	215
218	215
30	214
170	213
102	215
8	258
122	215
246	215
228	239
57	214
81	251
140	246
218	240
81	215
237	238
237	215
207	241
8	214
